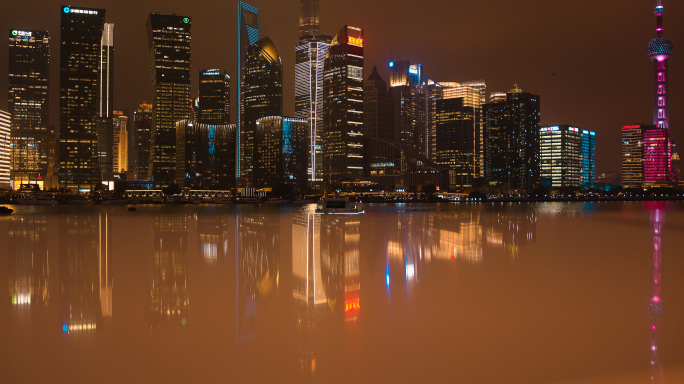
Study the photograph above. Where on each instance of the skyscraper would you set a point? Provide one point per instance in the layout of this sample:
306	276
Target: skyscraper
28	104
106	105
308	20
378	108
512	140
410	105
343	107
282	152
248	34
169	41
262	95
140	151
567	156
205	155
4	149
119	142
214	97
80	61
457	140
633	155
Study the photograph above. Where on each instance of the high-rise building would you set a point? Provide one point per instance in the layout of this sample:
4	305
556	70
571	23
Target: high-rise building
567	156
512	140
262	95
205	155
120	142
408	90
214	97
248	34
657	155
105	143
140	150
309	28
281	156
80	62
633	155
5	133
106	105
457	140
378	108
169	41
28	104
343	108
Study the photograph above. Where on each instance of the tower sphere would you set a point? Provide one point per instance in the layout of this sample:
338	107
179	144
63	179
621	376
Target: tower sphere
659	48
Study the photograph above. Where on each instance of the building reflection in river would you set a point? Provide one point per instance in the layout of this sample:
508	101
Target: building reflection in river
340	236
654	305
80	272
169	294
29	261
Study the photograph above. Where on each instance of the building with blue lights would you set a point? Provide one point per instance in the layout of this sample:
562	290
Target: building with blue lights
568	156
214	97
282	152
205	155
248	34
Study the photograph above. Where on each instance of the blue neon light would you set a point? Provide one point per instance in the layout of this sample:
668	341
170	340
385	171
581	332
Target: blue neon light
67	10
65	328
391	64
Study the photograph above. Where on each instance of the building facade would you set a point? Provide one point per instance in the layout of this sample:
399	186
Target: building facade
28	104
5	141
633	155
169	43
511	137
391	166
205	155
343	107
262	95
378	108
282	152
407	87
139	157
457	141
567	156
214	97
80	62
248	34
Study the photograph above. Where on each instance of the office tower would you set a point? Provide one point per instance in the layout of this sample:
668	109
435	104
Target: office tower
378	108
281	156
214	97
106	105
105	143
657	155
567	156
633	155
512	141
119	142
309	29
140	151
5	140
205	155
410	105
262	95
169	41
343	107
51	180
28	104
248	34
392	166
309	62
80	61
457	140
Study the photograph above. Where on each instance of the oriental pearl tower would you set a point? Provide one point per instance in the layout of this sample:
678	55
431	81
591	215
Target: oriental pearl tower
659	50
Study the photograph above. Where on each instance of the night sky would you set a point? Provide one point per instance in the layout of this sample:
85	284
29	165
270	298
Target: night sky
587	59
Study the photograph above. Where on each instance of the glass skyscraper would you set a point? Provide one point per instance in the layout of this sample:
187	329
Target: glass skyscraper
214	97
282	152
457	140
28	104
80	61
169	42
140	151
248	34
567	156
205	155
343	108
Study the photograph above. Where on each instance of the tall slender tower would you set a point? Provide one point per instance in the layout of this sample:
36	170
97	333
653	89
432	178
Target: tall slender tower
248	34
659	50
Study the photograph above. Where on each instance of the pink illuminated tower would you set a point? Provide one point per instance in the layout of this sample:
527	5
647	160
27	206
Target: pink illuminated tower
657	141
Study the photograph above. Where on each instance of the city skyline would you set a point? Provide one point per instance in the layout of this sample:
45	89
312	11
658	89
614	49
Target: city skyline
572	80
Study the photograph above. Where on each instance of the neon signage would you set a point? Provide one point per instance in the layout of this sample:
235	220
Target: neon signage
80	11
355	41
186	20
21	33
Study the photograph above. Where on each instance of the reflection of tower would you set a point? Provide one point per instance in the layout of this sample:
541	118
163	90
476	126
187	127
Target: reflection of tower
308	288
511	230
257	258
79	272
29	265
654	306
105	279
169	306
340	263
213	242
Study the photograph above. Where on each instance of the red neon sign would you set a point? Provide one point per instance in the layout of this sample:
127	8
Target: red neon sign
356	41
631	126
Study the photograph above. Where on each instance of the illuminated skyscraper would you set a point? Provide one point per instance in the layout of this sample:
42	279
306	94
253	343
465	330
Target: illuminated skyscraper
633	155
5	141
512	140
28	103
410	105
80	62
106	105
119	142
659	50
310	58
140	151
343	108
205	155
214	97
457	140
567	156
248	34
169	41
281	155
262	95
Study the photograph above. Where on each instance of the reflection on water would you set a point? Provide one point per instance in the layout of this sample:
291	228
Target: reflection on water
409	261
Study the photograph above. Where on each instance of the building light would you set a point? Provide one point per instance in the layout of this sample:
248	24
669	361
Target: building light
355	41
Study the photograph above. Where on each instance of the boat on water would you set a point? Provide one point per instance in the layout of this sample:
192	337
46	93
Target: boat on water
338	205
5	211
